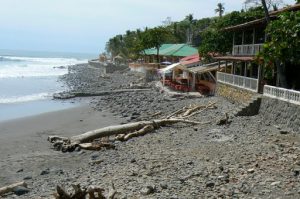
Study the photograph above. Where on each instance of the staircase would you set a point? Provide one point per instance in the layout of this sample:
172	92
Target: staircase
249	108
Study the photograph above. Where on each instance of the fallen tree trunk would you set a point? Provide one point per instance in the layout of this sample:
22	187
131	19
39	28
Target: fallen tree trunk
136	129
69	95
125	128
9	188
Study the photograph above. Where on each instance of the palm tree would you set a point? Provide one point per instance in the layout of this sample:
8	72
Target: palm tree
190	19
263	2
220	9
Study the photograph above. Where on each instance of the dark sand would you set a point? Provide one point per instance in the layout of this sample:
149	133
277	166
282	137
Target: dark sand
24	146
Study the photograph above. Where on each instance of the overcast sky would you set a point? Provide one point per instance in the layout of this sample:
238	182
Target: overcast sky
86	25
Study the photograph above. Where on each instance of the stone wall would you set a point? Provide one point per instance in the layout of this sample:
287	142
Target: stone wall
108	67
234	94
277	112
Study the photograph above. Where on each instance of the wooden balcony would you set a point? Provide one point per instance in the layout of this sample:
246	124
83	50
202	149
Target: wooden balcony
247	50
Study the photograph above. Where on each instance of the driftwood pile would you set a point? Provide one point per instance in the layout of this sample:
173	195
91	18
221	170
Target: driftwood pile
96	139
91	192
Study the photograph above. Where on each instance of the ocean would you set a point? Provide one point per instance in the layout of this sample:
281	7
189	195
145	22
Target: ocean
29	79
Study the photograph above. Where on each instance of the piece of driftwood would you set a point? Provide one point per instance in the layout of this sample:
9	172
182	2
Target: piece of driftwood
197	111
69	95
96	145
146	129
224	120
176	112
9	188
93	192
137	128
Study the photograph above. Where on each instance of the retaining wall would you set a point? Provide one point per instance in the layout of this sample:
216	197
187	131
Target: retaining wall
234	94
273	111
108	67
281	113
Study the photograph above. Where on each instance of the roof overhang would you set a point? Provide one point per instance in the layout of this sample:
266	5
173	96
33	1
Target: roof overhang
235	58
262	21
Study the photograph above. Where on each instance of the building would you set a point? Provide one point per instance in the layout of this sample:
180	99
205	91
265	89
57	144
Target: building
248	40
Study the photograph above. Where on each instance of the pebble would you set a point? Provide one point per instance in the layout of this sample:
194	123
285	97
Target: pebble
149	189
275	183
45	172
20	170
210	184
27	178
20	190
163	185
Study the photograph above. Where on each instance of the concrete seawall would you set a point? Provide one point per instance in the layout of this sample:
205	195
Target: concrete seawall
283	114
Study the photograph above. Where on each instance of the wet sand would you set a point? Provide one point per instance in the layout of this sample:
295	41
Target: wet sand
24	146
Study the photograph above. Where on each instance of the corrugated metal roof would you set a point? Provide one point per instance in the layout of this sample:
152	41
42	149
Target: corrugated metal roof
193	59
176	50
205	68
172	66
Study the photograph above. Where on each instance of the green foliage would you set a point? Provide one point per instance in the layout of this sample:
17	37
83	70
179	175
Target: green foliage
215	40
284	39
207	33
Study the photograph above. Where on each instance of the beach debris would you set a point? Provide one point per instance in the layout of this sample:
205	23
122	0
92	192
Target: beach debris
94	192
130	130
95	139
10	188
69	95
224	120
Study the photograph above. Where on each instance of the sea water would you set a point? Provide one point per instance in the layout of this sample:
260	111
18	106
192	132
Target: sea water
28	81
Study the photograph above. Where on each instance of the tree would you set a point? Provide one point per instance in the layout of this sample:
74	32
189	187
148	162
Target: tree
190	20
283	45
155	37
215	40
267	16
268	3
220	9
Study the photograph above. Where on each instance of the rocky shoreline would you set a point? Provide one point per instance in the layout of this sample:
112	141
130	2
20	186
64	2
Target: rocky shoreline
245	159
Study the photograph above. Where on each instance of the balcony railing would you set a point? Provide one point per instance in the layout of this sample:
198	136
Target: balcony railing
239	81
247	50
291	96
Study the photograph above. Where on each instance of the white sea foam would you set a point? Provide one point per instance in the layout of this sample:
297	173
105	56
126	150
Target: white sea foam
25	98
35	67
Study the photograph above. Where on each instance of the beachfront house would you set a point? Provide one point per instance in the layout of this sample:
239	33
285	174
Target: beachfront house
168	54
243	77
248	39
191	75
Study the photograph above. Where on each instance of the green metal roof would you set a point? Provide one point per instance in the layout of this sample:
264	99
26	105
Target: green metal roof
178	50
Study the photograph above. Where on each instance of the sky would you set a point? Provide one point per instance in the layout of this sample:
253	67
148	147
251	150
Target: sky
85	26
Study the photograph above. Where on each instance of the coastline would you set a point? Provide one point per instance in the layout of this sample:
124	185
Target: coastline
246	158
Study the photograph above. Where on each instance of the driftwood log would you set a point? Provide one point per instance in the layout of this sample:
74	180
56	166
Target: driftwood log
129	130
10	188
69	95
124	132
